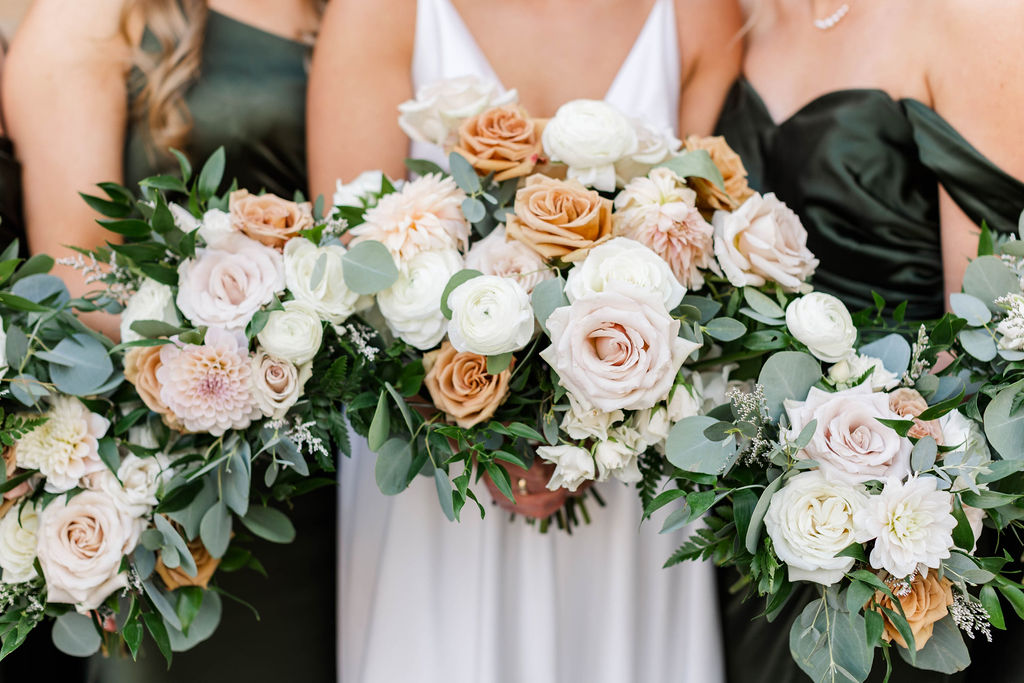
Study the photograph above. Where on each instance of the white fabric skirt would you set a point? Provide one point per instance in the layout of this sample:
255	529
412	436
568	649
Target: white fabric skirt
491	601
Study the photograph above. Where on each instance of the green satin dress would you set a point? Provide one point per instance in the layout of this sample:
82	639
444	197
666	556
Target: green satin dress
250	98
863	173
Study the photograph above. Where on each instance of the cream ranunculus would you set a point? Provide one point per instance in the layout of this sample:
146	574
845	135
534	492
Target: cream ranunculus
617	455
822	322
215	227
654	145
762	241
80	545
589	136
277	383
329	296
152	301
810	520
65	447
441	106
134	489
616	352
225	285
491	315
588	423
294	334
847	371
911	524
18	533
498	255
849	442
573	466
623	265
412	306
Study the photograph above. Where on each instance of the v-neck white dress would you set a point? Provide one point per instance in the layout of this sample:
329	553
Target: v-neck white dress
425	600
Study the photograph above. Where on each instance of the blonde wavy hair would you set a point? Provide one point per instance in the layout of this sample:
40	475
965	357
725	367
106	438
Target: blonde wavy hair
178	27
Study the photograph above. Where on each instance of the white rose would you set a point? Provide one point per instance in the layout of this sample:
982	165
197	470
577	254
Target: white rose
911	524
497	255
18	532
810	520
152	301
80	545
412	306
616	352
440	107
330	297
3	349
849	442
588	423
854	366
589	136
216	227
224	286
653	424
360	191
294	334
491	315
573	466
685	402
617	455
277	383
654	145
134	489
623	264
762	241
822	322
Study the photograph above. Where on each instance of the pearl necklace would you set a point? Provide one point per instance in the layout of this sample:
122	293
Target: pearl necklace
832	19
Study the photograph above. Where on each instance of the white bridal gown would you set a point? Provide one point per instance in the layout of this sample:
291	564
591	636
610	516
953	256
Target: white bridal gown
425	600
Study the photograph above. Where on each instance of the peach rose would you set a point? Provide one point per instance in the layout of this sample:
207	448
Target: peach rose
709	196
908	403
267	218
140	366
206	565
925	603
559	218
502	140
460	386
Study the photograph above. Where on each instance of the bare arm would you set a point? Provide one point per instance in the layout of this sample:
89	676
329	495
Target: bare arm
977	87
360	73
711	48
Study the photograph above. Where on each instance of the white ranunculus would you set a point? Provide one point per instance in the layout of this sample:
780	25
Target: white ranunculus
573	466
822	322
3	349
18	533
497	255
152	301
623	264
216	227
277	383
441	106
1011	328
491	315
224	286
685	402
654	145
589	136
358	192
617	455
849	442
762	241
652	424
294	334
582	423
134	489
329	296
810	520
848	370
412	306
911	524
80	545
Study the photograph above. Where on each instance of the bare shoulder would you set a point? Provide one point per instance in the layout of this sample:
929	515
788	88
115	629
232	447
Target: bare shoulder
59	24
709	30
380	26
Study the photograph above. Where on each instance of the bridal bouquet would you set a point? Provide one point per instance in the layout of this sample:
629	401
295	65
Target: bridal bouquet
849	467
234	315
537	294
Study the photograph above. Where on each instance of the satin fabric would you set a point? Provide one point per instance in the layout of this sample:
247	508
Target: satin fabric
862	171
11	226
493	600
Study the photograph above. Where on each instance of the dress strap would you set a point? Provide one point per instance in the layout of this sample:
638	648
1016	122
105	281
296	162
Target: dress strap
443	47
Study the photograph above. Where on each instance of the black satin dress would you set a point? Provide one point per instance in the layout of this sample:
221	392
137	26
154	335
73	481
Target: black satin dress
863	171
11	227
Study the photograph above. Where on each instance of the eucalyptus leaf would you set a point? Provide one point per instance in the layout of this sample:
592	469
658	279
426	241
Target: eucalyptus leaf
162	604
498	364
762	303
473	209
979	343
173	539
76	635
788	375
944	652
893	350
380	425
237	479
988	278
464	174
923	456
725	329
690	450
830	645
270	524
546	297
28	390
392	469
215	529
970	308
695	164
757	518
1004	430
203	624
79	364
368	268
42	288
453	283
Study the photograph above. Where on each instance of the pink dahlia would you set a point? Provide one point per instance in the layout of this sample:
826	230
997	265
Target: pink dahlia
208	387
659	211
425	215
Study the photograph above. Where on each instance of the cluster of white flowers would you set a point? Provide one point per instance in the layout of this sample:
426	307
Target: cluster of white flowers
1011	328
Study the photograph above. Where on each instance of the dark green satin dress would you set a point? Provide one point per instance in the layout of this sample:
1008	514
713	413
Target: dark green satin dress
11	226
863	173
250	98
